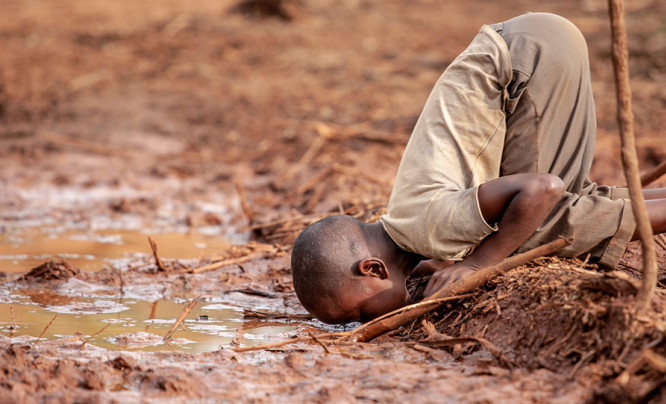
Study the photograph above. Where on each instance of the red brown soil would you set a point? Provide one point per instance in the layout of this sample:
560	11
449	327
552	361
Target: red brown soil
157	110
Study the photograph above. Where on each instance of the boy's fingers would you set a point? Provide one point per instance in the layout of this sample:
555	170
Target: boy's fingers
437	281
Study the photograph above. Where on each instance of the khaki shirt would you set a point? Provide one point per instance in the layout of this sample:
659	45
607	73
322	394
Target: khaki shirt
456	145
510	103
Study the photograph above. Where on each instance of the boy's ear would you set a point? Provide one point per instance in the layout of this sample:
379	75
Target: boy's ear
373	267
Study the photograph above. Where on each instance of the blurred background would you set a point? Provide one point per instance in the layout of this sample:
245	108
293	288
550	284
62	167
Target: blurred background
231	120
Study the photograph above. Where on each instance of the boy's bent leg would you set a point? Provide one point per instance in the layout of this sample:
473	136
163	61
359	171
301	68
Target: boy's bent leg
551	121
551	127
598	225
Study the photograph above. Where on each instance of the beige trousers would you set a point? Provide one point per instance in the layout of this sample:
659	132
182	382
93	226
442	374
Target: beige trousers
551	128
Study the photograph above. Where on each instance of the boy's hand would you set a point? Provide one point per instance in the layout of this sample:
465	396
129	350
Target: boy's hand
448	275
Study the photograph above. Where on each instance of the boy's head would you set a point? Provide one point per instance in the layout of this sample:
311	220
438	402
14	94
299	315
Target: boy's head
340	274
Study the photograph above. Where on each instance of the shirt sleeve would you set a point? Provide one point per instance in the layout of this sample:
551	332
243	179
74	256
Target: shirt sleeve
454	222
456	145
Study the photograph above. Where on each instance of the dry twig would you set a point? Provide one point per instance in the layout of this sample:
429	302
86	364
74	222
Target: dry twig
625	119
45	328
94	335
294	340
324	133
661	240
320	342
158	261
649	357
481	341
243	200
653	175
223	263
11	313
186	310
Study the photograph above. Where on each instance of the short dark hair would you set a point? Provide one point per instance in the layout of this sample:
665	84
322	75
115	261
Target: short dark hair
323	258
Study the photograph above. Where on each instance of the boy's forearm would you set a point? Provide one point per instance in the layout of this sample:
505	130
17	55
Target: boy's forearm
523	213
518	204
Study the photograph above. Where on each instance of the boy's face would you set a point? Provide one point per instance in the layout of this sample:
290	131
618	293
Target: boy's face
368	298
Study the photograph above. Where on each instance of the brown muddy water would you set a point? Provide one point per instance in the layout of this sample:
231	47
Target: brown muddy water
24	249
130	324
134	322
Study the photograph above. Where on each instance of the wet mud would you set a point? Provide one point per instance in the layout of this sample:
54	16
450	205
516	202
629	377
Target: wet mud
231	126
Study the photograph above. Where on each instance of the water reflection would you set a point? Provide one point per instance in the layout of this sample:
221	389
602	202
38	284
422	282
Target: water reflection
133	324
22	250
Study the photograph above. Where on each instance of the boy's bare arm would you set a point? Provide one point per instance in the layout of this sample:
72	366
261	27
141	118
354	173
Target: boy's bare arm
518	204
655	203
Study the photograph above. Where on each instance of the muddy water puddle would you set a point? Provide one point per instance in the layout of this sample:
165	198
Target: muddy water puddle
128	324
24	249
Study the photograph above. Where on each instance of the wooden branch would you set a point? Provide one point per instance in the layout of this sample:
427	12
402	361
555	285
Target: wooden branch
647	356
464	285
11	312
186	310
158	261
224	263
45	328
432	303
309	154
655	360
243	200
653	175
481	341
320	342
625	119
94	335
661	240
278	344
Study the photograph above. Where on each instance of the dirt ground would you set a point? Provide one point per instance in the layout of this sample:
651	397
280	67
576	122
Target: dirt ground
260	119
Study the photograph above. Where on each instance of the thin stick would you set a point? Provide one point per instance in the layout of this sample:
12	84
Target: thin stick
243	200
310	218
661	240
153	310
479	340
358	173
224	263
428	302
94	335
320	342
655	360
464	285
288	341
122	282
45	328
307	157
158	261
84	145
13	327
314	180
653	175
625	119
186	310
11	312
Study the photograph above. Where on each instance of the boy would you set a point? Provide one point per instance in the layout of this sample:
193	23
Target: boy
497	163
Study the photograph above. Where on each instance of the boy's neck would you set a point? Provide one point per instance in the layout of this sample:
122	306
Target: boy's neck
382	245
